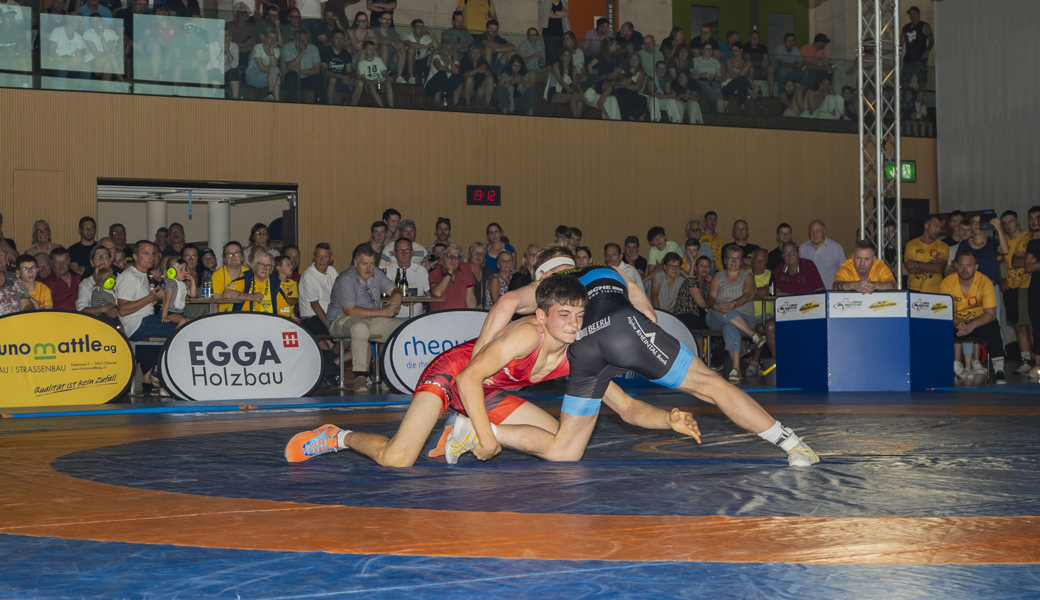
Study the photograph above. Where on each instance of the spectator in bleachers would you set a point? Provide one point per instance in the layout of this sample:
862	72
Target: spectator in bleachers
388	44
259	290
190	256
916	122
43	264
476	263
516	88
97	298
561	236
453	280
792	98
814	59
1015	285
377	236
691	304
987	251
681	60
651	54
408	231
498	283
765	311
582	256
379	8
692	250
161	241
207	262
339	8
79	253
532	51
632	256
292	26
233	69
330	24
41	239
824	252
476	14
107	244
602	71
729	299
612	257
104	48
704	38
176	240
136	298
974	312
337	68
184	8
676	39
230	271
736	78
360	32
63	284
13	295
788	63
525	273
372	77
708	72
629	40
661	97
262	70
864	272
570	41
65	49
796	275
823	102
562	86
712	237
761	71
497	49
726	45
925	258
477	78
1030	264
176	290
574	238
7	247
784	234
294	260
90	7
458	37
915	43
495	245
665	283
444	84
659	248
741	235
593	39
315	291
442	231
301	68
953	223
271	21
687	97
629	84
420	45
259	239
555	14
416	278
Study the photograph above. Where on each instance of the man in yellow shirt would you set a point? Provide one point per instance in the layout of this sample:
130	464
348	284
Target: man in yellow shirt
925	258
477	13
864	272
974	311
712	238
1015	286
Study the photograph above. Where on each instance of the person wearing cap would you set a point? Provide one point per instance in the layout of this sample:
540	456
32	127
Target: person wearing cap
814	57
915	44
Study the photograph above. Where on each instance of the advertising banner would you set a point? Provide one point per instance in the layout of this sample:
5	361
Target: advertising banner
58	358
234	356
931	306
415	344
844	305
801	307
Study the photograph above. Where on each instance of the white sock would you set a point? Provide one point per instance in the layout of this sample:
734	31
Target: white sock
998	363
775	434
1027	356
341	439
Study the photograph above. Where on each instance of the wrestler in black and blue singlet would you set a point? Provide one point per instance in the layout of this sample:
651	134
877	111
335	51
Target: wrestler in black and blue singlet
616	337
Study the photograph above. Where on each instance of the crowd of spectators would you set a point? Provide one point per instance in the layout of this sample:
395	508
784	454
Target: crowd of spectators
329	53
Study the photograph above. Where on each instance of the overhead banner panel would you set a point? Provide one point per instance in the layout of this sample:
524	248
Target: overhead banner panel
58	358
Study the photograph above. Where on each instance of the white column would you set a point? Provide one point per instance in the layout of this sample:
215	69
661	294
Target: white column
156	218
219	227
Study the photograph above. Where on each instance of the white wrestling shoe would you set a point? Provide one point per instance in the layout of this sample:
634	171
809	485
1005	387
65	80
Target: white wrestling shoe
799	454
461	440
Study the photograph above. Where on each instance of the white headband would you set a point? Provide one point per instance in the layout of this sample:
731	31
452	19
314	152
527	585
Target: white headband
551	264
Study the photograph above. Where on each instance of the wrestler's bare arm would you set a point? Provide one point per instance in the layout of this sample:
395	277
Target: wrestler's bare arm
521	301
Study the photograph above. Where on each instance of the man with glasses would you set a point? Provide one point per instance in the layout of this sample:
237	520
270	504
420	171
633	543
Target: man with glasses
796	275
404	268
453	280
259	290
356	311
79	253
100	258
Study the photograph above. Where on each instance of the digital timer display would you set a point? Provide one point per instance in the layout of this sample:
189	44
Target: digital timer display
484	195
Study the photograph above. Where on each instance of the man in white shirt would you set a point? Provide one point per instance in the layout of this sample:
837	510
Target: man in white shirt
612	256
135	301
416	276
316	289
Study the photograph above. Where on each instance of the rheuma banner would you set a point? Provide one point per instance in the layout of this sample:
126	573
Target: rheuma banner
58	358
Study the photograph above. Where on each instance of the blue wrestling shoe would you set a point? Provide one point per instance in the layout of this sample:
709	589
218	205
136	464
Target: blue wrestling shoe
308	444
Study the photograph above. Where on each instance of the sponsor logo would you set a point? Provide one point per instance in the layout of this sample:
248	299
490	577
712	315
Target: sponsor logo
593	328
51	350
649	340
882	305
786	307
203	357
808	306
846	304
290	339
939	307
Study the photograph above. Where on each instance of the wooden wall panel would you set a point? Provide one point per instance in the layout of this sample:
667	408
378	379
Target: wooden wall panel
610	179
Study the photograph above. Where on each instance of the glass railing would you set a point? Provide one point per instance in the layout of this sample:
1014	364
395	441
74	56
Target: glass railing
239	57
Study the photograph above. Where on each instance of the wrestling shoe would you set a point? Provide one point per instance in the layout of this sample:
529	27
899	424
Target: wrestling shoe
461	439
308	444
799	454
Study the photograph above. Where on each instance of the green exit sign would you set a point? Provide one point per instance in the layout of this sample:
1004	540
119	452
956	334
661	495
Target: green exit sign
907	171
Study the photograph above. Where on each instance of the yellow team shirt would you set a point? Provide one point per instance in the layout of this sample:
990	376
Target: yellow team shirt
1017	278
221	279
715	243
42	294
969	306
918	251
475	14
879	271
762	280
280	308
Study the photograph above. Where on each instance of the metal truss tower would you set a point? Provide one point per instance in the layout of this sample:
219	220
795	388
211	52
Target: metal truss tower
880	197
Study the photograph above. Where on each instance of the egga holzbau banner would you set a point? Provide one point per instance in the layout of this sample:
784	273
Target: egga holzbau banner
57	358
235	356
414	345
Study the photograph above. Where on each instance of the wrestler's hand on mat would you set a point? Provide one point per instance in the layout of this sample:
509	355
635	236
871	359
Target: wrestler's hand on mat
684	423
483	452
